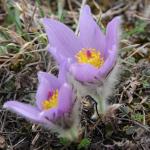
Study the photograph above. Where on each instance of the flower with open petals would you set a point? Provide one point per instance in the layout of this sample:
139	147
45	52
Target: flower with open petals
54	100
91	55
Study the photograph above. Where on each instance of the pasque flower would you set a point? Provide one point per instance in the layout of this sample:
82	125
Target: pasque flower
91	55
54	100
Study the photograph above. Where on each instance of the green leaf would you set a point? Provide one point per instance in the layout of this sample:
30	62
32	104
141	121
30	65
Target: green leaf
84	143
131	130
139	28
38	3
13	16
3	50
64	141
137	117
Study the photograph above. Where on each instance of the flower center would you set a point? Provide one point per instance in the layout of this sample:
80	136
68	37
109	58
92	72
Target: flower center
90	56
52	100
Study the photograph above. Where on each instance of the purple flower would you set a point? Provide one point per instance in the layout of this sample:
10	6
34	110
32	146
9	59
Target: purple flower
53	101
91	55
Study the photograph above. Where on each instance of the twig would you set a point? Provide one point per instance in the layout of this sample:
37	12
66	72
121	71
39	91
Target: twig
112	12
70	7
18	143
141	17
138	49
32	18
135	122
35	138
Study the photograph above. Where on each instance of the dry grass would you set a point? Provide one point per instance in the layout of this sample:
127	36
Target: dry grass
23	53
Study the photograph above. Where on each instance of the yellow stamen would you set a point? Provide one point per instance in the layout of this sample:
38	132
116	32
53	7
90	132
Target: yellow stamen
90	56
52	101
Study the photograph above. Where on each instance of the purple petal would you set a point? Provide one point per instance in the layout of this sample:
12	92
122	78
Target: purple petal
63	70
47	83
25	110
50	114
88	73
83	72
55	53
90	33
65	98
112	33
109	63
61	37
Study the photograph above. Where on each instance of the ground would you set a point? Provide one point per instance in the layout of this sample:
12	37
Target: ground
23	53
